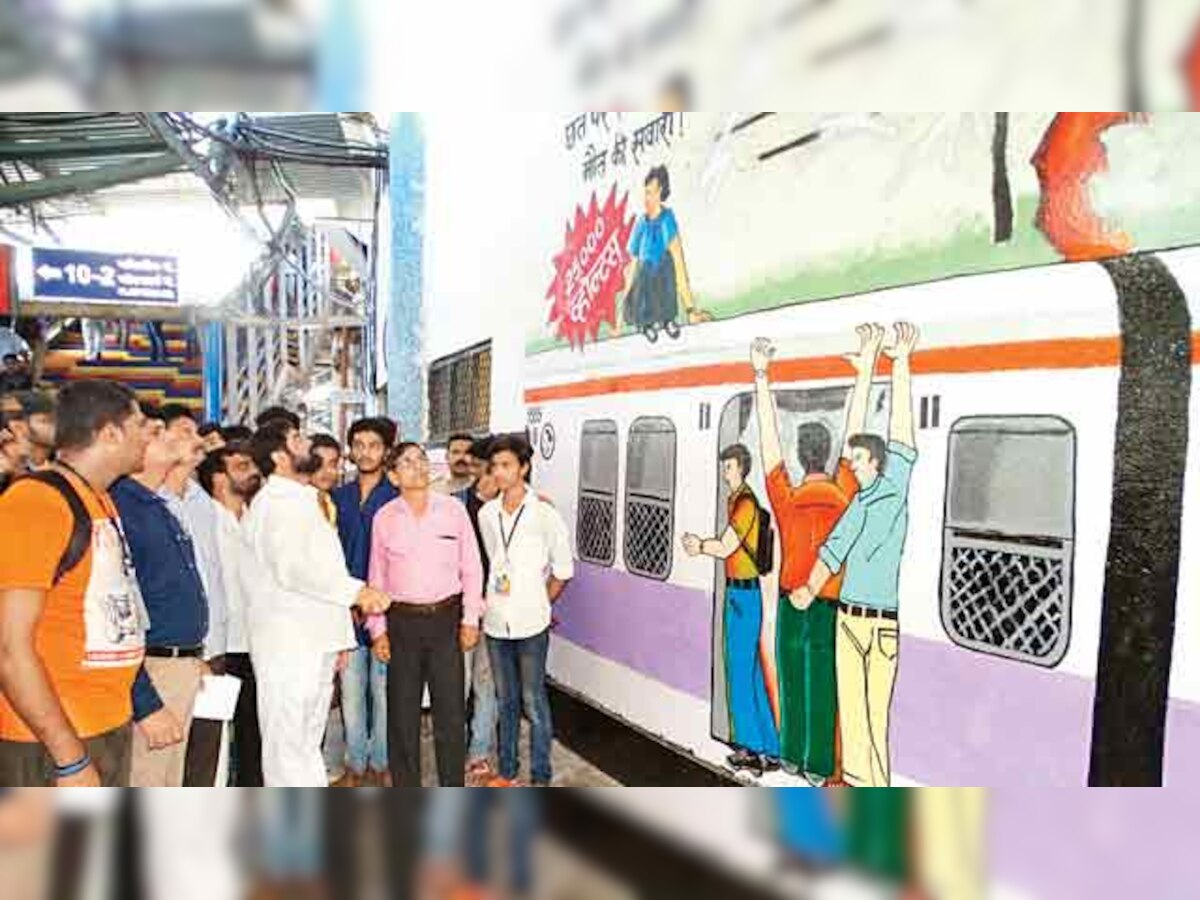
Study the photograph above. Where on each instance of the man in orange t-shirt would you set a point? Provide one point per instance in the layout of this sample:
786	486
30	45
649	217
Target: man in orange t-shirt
752	729
806	639
71	642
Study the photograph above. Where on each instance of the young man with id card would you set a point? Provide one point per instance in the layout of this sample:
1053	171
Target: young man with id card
531	562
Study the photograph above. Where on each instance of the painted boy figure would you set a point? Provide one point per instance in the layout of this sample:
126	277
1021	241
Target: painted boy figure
751	721
658	278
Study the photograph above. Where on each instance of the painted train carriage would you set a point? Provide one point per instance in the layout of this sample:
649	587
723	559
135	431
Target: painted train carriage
1048	624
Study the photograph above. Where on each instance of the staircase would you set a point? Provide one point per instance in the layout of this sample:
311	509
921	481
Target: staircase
177	380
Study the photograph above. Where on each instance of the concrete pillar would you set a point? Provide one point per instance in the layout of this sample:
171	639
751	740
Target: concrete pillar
406	375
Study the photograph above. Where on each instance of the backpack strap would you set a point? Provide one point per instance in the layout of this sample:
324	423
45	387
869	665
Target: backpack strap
81	528
753	530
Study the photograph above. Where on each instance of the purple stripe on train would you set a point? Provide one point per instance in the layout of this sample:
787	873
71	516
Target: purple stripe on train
655	628
960	718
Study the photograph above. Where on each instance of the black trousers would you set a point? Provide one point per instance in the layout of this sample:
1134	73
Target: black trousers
247	739
425	650
203	753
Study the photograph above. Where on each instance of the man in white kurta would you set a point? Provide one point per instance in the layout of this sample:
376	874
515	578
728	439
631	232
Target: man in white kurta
300	596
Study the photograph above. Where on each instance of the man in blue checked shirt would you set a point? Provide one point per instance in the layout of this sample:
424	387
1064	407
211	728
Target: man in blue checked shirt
173	589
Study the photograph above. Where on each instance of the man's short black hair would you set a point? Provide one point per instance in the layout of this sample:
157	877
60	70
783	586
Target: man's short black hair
874	445
173	412
390	428
233	433
814	443
269	440
277	413
327	441
739	452
373	426
482	448
210	428
85	408
516	444
663	177
460	437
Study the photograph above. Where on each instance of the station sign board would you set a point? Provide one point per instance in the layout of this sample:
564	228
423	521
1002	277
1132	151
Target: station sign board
89	276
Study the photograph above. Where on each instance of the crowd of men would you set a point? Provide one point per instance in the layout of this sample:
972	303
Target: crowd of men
145	555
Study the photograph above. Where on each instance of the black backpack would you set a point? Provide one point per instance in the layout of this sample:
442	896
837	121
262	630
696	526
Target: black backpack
764	559
81	528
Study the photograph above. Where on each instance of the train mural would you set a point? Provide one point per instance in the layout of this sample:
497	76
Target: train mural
873	433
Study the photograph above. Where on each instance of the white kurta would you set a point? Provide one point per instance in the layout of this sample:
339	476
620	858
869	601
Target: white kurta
300	593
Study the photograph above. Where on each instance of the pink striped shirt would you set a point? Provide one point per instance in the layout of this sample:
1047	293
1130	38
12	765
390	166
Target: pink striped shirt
426	559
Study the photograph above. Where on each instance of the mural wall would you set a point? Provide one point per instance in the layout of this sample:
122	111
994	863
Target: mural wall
853	416
690	217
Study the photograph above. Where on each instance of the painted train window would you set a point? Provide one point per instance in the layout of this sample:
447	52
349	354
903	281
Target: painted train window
650	498
596	524
1009	540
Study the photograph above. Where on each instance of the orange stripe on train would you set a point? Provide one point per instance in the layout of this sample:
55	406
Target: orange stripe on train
1068	353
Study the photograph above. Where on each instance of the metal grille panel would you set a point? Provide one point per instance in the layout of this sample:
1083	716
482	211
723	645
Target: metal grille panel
648	544
460	394
1009	600
596	529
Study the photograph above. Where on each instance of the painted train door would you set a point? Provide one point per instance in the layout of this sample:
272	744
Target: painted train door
798	410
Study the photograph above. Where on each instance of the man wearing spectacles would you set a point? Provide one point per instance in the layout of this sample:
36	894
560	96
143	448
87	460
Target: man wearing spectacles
425	556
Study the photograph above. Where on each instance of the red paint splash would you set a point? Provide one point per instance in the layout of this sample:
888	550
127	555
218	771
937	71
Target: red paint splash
1071	153
590	270
1190	65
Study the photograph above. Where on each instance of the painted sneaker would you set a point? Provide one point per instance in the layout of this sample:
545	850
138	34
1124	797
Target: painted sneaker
672	330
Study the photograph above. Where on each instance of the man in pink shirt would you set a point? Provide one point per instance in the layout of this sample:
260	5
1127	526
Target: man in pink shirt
425	556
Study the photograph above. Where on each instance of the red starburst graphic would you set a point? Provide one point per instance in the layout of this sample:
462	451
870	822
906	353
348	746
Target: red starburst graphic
590	270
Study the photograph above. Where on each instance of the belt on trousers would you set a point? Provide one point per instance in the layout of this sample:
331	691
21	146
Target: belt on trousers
869	612
742	584
175	652
426	609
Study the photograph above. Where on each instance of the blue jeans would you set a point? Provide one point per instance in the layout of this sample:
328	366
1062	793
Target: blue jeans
486	711
366	730
522	814
519	669
750	718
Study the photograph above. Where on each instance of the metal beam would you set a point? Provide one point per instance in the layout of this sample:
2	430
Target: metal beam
87	182
78	149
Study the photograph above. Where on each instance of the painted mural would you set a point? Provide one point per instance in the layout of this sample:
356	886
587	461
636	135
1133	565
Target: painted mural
717	215
853	425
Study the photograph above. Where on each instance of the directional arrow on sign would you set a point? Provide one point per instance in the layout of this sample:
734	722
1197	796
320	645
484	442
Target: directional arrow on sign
49	273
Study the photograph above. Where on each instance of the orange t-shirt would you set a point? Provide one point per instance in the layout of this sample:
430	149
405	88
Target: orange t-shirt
805	515
91	635
743	519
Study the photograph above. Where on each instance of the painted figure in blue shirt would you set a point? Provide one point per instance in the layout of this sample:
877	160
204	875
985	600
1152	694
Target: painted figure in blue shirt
658	278
868	543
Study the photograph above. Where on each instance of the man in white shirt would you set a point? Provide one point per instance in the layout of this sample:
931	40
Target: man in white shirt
232	479
531	562
299	617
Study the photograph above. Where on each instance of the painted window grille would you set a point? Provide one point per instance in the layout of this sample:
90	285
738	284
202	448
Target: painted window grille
460	393
596	522
650	498
1009	537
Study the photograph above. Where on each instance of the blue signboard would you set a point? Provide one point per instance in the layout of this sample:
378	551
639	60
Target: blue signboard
104	277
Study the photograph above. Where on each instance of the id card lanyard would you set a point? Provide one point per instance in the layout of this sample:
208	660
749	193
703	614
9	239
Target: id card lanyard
503	580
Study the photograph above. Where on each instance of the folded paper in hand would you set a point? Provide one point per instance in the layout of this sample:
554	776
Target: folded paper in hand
218	697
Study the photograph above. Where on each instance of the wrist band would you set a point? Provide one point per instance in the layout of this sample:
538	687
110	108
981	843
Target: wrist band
74	768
